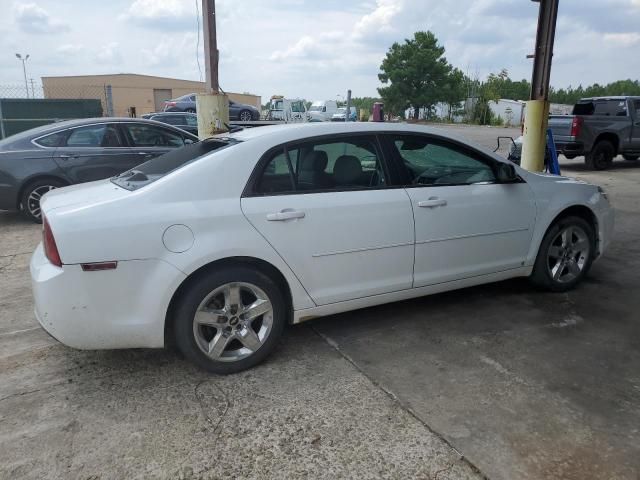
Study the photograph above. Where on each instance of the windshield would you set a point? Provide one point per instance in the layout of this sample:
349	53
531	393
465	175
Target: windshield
276	105
315	108
158	167
341	110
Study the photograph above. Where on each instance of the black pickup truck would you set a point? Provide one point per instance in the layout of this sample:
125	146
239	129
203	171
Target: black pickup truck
599	128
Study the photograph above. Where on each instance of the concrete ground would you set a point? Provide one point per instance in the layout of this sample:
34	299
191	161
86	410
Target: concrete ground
498	381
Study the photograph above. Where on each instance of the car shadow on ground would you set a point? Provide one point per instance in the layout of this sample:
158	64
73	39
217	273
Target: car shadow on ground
578	165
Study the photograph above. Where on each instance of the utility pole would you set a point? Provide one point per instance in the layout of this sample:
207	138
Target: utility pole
212	106
348	112
536	119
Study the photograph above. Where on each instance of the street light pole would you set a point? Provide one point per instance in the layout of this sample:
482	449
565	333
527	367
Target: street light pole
24	71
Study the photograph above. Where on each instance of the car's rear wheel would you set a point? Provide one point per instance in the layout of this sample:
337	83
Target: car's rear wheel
230	320
569	156
190	110
565	255
32	194
601	156
631	157
245	116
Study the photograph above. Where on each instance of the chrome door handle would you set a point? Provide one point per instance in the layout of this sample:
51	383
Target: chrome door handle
284	215
432	203
144	153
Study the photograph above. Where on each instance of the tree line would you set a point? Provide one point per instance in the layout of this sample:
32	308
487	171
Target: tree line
417	76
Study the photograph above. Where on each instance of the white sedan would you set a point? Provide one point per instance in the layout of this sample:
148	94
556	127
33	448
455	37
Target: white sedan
218	245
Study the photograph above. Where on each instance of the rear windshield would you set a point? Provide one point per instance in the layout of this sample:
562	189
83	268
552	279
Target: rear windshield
613	108
158	167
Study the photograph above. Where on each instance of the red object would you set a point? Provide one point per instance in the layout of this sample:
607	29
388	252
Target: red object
169	104
576	126
50	247
378	112
96	267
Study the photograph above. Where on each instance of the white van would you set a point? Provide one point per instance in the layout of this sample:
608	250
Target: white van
322	110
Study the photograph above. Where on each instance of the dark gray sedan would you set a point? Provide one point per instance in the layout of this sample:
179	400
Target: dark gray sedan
237	111
76	151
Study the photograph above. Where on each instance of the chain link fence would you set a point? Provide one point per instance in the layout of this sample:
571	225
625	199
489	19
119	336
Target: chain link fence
28	106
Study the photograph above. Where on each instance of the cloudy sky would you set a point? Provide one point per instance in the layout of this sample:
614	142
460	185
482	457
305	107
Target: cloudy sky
312	48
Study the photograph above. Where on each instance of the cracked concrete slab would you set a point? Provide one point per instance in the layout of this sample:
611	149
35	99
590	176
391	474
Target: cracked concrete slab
306	413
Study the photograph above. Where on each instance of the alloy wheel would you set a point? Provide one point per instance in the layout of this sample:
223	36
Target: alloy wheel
245	116
233	322
33	201
568	254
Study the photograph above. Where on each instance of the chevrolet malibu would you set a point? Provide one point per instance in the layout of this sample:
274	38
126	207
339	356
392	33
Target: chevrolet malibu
216	246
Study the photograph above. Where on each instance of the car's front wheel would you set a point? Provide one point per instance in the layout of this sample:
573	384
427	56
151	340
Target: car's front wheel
32	194
565	256
631	158
230	319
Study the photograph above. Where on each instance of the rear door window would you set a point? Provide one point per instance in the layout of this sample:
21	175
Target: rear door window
104	135
347	163
142	135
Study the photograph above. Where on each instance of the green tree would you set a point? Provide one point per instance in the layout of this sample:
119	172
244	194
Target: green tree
454	91
415	73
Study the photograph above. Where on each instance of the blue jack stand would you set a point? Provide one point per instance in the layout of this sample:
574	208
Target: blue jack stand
553	167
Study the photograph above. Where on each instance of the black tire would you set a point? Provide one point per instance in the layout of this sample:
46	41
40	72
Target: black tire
631	158
245	116
570	156
542	275
601	155
199	290
29	205
190	110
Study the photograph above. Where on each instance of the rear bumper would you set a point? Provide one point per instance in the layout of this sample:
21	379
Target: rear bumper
121	308
569	146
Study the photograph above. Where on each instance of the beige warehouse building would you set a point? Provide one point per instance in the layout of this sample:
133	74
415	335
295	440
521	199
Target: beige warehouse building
145	93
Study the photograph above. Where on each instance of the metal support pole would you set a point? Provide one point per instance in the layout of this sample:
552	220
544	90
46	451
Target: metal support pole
212	106
211	53
536	119
348	112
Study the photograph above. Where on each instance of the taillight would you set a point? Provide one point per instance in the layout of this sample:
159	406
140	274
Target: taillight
170	104
50	247
576	126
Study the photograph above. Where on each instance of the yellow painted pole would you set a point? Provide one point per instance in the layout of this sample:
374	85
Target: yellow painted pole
534	141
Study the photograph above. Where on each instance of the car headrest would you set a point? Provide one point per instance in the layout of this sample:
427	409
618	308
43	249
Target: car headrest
347	170
315	161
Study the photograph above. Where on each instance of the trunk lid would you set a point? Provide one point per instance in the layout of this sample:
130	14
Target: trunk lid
83	194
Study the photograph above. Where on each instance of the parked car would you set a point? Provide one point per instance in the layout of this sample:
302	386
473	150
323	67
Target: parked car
36	161
341	112
235	236
600	128
183	120
237	111
322	110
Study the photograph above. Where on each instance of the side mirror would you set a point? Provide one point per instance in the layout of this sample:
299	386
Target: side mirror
506	173
188	141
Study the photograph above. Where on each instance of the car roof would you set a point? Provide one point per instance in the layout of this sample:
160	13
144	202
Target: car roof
279	134
54	127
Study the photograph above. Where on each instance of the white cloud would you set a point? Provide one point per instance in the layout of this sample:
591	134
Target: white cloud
34	19
109	54
623	39
162	14
380	19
